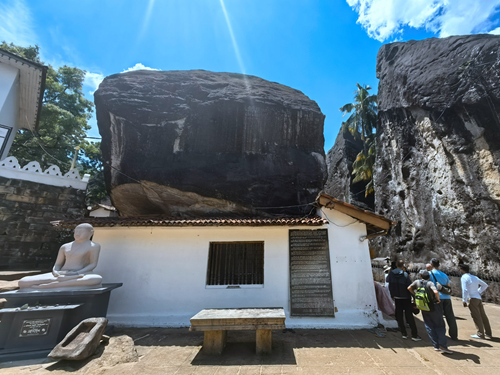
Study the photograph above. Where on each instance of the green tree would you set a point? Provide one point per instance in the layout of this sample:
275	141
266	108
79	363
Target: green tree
361	123
63	124
91	163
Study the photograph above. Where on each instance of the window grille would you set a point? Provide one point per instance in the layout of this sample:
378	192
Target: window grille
235	263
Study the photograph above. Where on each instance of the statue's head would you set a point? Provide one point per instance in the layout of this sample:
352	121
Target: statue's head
83	232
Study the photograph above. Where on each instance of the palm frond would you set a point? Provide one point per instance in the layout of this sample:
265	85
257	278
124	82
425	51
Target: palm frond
362	124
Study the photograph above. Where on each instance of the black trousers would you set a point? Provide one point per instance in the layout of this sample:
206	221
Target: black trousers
450	318
404	311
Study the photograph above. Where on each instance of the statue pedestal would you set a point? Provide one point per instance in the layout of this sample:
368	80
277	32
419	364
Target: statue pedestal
33	332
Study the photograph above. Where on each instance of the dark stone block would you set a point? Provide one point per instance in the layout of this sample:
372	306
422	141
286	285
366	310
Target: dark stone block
8	204
22	225
13	182
6	190
49	194
76	212
48	201
37	220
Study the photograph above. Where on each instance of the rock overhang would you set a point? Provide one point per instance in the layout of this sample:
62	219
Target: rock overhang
235	142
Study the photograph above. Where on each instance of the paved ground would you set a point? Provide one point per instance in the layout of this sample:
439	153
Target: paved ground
177	351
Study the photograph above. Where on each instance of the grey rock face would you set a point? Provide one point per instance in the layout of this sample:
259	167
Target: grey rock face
339	183
204	144
438	153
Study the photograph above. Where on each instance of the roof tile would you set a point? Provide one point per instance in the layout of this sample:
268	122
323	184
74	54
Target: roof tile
175	222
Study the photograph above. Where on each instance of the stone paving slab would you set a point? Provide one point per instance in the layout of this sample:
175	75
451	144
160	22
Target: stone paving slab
298	352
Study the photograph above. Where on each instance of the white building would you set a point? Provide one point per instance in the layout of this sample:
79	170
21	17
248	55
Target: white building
102	210
318	269
22	83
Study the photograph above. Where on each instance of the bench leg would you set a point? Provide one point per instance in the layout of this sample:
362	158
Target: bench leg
264	340
214	342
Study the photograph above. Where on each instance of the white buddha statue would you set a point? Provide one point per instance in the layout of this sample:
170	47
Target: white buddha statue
74	263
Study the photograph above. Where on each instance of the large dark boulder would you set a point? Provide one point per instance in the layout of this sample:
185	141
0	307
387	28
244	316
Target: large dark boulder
340	183
438	152
198	143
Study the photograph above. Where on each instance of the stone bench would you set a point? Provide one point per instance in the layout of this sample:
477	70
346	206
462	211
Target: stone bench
216	322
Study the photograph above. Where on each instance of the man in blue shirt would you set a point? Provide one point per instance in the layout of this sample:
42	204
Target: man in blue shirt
472	288
436	276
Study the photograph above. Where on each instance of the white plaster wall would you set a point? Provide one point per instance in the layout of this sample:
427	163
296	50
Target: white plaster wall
353	287
101	212
9	102
163	270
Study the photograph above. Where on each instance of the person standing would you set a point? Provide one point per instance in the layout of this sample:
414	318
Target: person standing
433	319
472	288
399	281
387	269
438	276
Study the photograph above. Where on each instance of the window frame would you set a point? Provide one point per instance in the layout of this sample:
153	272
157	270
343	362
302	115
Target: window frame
233	286
3	144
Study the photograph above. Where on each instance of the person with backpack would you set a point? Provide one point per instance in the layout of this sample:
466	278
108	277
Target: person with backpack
443	285
399	281
472	288
428	301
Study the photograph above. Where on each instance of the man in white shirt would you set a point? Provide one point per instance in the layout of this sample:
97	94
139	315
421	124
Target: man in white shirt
472	288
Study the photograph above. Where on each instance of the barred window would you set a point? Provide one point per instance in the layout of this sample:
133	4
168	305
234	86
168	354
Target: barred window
235	263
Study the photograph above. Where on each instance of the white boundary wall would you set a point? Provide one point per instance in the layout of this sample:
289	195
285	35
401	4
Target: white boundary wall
10	168
163	270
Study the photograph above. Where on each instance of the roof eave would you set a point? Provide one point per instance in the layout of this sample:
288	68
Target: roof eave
41	85
150	222
40	96
370	218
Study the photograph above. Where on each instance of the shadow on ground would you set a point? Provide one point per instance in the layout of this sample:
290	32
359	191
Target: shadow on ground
240	347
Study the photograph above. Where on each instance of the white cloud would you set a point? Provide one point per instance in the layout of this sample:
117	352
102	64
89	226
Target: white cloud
495	31
385	19
93	80
138	66
16	23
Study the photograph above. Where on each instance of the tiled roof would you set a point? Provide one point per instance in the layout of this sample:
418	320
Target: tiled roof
176	222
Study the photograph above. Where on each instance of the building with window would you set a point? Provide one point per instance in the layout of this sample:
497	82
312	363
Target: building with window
22	83
317	268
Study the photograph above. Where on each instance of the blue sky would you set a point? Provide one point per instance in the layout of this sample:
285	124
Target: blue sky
321	47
